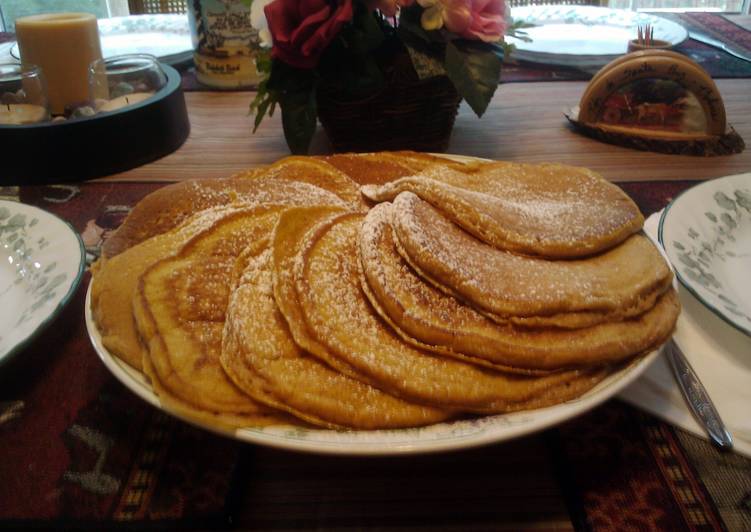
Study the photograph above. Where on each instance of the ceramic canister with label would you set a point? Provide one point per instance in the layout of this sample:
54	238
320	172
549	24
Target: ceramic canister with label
224	42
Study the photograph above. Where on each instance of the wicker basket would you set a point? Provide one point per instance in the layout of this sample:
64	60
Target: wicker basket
406	114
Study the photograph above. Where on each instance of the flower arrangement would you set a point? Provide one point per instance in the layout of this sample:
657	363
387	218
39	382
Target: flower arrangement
353	45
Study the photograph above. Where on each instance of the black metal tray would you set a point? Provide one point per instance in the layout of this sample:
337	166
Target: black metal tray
107	143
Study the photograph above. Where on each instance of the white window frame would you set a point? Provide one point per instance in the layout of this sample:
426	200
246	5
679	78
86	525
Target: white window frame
118	8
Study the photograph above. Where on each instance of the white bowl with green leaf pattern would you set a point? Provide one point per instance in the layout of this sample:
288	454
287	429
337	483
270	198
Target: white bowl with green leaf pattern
42	260
706	233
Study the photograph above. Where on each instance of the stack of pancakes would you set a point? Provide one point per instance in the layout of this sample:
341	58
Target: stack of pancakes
381	290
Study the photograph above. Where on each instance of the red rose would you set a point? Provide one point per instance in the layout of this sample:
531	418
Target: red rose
302	29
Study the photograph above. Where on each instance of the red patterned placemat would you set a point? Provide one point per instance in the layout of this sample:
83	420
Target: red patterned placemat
87	453
84	450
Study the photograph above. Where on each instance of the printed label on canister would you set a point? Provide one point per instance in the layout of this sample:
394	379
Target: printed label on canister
224	41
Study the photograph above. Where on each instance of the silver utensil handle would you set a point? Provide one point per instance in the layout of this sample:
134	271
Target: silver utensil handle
697	398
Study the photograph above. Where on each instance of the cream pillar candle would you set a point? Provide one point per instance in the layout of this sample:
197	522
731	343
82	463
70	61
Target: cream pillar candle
63	45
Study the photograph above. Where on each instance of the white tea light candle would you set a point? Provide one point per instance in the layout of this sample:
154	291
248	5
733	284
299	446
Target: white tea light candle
23	96
21	113
123	101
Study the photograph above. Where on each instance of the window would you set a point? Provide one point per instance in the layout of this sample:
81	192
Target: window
10	10
678	5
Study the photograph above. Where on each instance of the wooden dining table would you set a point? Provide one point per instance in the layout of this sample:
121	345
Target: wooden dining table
83	452
524	122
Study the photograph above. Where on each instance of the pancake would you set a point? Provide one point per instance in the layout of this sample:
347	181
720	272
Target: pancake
264	298
253	414
185	297
620	283
115	282
340	317
382	167
262	359
182	303
548	210
427	317
314	171
289	236
169	206
115	279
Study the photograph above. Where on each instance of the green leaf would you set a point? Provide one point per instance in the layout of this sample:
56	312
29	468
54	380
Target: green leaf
263	61
409	21
426	65
364	34
299	115
264	97
259	109
474	71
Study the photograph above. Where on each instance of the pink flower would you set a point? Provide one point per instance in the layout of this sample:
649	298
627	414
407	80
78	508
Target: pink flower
472	19
488	20
389	7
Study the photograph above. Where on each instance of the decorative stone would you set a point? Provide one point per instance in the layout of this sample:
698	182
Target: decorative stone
80	112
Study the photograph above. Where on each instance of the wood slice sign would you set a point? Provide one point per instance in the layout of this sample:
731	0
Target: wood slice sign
656	100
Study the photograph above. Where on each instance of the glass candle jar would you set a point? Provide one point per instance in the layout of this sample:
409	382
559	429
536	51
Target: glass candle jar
23	95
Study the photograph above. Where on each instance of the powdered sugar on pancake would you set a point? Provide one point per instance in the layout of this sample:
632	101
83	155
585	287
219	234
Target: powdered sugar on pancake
428	318
507	284
549	210
341	317
169	206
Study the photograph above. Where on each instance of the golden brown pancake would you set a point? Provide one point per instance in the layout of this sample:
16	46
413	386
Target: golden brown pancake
340	317
549	210
382	167
115	282
116	279
619	283
254	313
288	238
314	171
254	414
427	317
182	307
169	206
262	359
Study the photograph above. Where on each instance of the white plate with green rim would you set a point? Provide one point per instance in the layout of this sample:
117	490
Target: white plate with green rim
706	233
451	435
586	37
446	436
42	259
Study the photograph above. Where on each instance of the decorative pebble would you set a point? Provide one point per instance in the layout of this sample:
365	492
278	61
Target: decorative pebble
99	102
80	112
